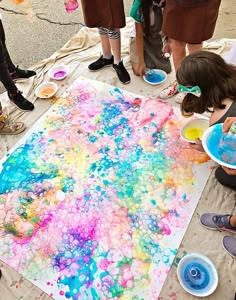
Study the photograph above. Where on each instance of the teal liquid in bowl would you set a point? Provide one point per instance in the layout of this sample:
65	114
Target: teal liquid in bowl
221	146
154	77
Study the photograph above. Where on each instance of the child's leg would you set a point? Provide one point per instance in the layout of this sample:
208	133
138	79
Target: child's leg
5	76
106	59
194	47
134	57
14	71
114	38
135	68
225	179
4	52
178	52
232	220
106	47
115	42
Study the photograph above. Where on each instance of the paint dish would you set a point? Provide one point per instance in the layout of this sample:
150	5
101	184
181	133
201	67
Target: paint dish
155	76
58	72
213	144
194	129
197	275
46	90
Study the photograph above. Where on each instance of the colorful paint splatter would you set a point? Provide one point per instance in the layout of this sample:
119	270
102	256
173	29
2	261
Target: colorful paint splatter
95	199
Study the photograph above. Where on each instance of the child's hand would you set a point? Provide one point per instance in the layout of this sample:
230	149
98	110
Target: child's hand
167	50
197	146
142	70
227	123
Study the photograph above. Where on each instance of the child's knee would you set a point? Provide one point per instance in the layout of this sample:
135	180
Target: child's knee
135	68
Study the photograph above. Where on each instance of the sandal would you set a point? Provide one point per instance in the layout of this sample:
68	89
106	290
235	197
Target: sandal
3	118
11	128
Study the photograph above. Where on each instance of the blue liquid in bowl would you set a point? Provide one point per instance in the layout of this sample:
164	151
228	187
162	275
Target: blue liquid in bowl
154	77
195	276
218	146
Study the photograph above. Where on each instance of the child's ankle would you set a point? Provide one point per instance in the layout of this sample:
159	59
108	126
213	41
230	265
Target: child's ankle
107	56
117	60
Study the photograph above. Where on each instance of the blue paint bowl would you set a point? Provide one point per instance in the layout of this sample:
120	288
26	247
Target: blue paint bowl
197	275
212	144
155	76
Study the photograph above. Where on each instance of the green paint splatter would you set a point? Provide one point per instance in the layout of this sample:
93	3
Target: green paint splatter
11	229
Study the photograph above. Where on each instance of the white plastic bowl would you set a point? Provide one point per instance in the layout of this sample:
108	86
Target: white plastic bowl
193	129
196	260
155	76
210	141
58	72
46	90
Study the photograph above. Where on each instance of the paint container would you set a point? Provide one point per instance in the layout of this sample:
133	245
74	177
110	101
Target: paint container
46	90
71	5
227	145
219	146
197	275
155	76
58	72
194	129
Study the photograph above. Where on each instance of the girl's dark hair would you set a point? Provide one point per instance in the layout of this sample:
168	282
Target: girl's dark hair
216	79
145	6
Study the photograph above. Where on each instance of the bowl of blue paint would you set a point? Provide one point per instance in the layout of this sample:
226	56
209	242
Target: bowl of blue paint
219	146
58	72
197	275
155	76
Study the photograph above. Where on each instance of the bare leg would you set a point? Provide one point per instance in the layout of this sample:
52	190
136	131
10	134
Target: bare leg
178	52
232	221
135	68
194	47
116	49
106	47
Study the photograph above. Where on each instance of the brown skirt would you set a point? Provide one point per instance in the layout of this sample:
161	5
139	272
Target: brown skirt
104	13
190	24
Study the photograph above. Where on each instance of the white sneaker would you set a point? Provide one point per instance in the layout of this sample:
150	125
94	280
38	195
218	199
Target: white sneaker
179	98
169	91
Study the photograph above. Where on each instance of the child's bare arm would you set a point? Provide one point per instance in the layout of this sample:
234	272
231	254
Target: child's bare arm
140	47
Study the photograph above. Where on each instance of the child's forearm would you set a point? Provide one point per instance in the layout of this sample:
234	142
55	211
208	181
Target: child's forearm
139	42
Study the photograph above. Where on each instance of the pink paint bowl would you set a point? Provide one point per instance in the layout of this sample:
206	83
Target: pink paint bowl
58	72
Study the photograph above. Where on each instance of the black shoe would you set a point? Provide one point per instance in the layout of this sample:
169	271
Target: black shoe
122	73
20	101
19	73
101	63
